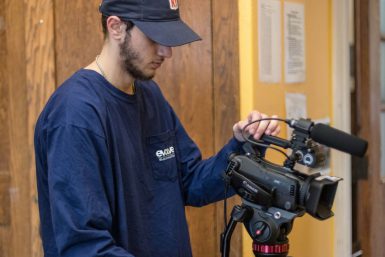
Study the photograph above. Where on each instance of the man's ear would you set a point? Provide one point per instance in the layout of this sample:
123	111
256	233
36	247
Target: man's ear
116	28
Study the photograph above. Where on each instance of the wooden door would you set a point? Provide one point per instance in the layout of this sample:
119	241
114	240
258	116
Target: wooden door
50	40
26	81
368	185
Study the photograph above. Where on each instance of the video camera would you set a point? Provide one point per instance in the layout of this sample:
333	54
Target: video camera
274	195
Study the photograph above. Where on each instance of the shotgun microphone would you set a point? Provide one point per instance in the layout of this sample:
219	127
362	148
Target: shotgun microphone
338	139
332	137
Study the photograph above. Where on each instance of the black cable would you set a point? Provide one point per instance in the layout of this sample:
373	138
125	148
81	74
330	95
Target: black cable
259	120
260	142
225	205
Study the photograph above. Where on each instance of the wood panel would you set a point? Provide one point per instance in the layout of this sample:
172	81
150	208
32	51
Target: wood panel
26	51
186	78
373	125
226	95
4	138
4	142
79	36
5	216
362	192
40	77
370	202
18	132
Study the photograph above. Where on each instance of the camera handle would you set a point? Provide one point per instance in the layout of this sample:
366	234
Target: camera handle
267	227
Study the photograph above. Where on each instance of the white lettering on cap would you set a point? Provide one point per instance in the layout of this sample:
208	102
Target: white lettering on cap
174	4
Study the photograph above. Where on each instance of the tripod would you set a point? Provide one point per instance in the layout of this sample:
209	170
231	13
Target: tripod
268	227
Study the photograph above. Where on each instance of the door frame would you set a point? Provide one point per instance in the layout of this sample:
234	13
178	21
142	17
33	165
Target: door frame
370	196
342	35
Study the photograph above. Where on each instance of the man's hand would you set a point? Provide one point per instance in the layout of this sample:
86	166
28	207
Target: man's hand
268	127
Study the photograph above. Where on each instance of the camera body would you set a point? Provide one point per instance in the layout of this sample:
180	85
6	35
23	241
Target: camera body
269	185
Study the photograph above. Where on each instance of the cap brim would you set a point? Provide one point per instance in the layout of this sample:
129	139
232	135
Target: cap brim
167	33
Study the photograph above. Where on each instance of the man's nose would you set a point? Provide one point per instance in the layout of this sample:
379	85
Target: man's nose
164	51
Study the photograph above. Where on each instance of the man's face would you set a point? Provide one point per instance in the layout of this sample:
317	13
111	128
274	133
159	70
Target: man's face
140	56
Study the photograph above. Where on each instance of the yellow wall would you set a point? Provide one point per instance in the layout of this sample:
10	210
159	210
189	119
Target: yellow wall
309	237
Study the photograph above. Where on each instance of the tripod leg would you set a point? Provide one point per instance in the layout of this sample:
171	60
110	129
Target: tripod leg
238	214
226	238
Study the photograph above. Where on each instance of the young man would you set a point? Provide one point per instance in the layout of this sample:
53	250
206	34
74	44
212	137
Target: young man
115	167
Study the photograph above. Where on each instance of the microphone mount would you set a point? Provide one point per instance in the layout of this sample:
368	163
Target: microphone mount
304	150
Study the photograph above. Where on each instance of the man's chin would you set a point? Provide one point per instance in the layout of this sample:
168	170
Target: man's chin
147	77
143	76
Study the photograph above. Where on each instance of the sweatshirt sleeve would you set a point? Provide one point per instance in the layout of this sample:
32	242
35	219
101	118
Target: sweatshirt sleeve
202	180
78	168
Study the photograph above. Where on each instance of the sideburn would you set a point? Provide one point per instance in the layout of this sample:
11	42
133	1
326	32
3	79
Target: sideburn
129	57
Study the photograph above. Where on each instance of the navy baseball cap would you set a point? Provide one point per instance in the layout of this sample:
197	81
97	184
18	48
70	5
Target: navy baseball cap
157	19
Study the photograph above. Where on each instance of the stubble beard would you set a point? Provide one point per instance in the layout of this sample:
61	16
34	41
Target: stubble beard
129	59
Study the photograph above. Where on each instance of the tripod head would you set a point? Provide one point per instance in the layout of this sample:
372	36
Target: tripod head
274	195
268	228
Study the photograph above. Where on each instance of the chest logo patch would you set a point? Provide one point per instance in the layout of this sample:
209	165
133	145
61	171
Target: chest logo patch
165	154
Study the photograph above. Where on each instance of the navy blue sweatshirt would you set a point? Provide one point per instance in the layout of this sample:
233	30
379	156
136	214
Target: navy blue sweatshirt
115	171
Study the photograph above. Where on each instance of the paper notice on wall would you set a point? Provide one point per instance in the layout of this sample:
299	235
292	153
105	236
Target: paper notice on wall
294	20
295	106
269	41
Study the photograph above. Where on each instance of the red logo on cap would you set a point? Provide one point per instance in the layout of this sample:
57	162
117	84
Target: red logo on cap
174	4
